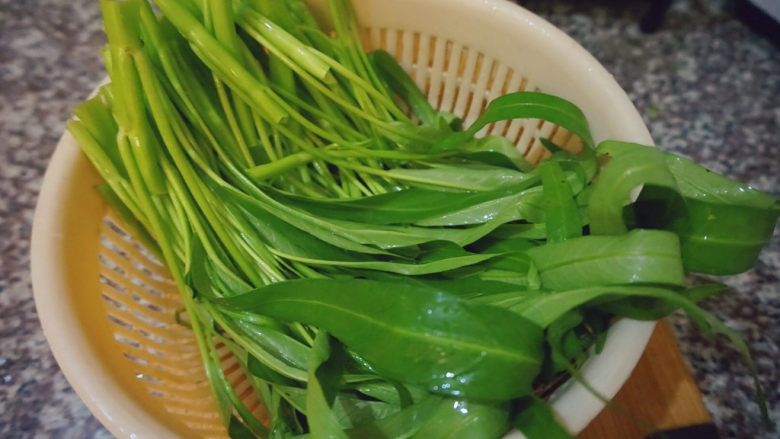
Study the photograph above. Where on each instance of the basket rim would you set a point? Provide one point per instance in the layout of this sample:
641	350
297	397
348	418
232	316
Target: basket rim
575	405
78	359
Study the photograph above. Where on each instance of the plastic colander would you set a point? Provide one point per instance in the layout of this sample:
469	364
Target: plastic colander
108	308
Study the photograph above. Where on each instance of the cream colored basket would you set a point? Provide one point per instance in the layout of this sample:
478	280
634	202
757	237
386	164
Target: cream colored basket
108	309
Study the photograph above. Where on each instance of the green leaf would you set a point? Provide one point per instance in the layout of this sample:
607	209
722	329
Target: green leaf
715	240
356	237
393	393
436	257
464	419
265	373
402	424
273	348
551	146
407	206
351	411
536	420
95	115
268	210
562	343
521	205
496	151
544	309
237	430
629	166
523	105
414	138
647	308
294	244
324	379
696	182
462	177
711	218
706	210
413	334
561	214
519	230
640	256
284	423
584	165
468	288
403	85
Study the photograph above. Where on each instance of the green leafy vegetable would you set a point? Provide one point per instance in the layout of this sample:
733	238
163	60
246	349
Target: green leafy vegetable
375	276
714	210
537	421
412	333
525	105
561	214
629	166
640	256
324	377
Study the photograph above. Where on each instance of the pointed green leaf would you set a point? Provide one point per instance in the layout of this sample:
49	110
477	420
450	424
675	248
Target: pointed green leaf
523	105
412	334
561	214
640	256
536	420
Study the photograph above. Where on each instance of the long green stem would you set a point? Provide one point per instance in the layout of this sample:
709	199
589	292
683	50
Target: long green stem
124	40
222	61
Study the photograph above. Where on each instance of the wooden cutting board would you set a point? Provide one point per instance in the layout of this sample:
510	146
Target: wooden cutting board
660	395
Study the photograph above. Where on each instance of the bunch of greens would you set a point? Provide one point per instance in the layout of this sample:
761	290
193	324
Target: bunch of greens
376	269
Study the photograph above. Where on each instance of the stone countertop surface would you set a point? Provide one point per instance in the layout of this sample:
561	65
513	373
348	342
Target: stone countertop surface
706	84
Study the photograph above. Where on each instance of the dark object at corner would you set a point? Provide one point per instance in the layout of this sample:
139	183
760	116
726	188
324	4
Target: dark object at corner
654	16
751	15
701	431
758	21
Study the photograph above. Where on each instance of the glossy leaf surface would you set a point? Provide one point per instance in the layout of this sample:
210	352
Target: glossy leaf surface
413	334
640	256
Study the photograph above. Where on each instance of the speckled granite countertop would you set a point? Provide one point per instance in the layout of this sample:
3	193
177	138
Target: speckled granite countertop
707	86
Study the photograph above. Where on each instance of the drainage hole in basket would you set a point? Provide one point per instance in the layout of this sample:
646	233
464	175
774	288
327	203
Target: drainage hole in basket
108	221
153	337
127	341
114	226
111	265
151	290
149	305
106	281
150	321
155	352
119	321
113	302
153	274
148	255
148	378
109	244
135	359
